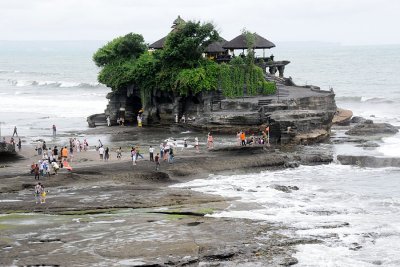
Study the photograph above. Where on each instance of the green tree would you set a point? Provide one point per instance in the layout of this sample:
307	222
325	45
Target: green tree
184	46
125	47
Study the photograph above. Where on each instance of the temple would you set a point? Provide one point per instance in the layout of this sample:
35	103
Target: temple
295	114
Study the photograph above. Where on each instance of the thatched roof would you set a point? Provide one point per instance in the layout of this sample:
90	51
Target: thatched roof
158	44
240	42
216	47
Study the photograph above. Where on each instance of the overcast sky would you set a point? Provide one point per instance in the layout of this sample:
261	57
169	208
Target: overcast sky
354	22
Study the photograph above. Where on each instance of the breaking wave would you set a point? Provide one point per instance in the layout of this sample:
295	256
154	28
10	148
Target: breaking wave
61	84
363	99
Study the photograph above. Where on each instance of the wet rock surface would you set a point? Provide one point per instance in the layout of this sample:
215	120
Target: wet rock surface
368	127
115	214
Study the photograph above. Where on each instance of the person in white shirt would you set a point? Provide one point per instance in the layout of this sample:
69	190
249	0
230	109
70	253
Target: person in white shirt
101	152
151	151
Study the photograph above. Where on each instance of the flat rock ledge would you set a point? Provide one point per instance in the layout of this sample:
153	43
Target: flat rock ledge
368	128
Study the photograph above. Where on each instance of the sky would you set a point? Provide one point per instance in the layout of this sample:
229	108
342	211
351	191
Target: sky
347	22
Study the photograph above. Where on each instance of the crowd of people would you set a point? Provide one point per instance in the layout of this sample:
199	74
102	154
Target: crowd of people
52	159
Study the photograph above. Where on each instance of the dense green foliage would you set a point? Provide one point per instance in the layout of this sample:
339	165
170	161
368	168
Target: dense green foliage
184	47
179	67
125	47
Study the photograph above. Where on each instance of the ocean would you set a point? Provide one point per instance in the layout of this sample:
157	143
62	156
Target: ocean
356	211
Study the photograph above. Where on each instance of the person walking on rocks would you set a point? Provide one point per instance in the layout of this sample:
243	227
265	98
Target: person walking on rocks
36	172
19	144
38	192
15	131
133	156
210	141
106	154
196	144
119	153
54	130
101	152
138	153
151	152
157	161
243	138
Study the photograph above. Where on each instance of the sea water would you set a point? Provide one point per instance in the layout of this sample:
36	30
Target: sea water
46	83
355	211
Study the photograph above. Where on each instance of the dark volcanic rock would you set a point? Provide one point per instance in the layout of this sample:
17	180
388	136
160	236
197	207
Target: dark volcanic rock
357	119
284	188
368	161
368	127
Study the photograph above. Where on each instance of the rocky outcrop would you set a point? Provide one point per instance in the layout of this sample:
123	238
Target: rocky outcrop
6	150
368	127
294	111
342	117
369	161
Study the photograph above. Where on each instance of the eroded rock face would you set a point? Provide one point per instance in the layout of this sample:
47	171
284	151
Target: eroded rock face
368	127
292	111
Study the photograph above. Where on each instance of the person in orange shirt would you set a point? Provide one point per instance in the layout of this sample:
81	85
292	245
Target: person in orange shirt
64	154
243	138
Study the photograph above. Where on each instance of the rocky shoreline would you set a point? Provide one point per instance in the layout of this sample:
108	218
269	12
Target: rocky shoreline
116	214
96	196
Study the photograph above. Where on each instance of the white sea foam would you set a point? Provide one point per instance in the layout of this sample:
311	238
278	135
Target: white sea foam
343	205
61	84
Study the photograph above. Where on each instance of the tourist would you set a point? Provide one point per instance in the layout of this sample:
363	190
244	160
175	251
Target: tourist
196	144
15	131
85	144
43	195
39	148
183	119
50	154
54	130
100	143
108	121
38	192
185	144
139	120
119	153
171	156
176	118
157	161
19	144
64	154
106	154
55	167
55	153
33	165
151	152
210	141
166	152
71	153
36	172
101	152
161	150
133	156
44	146
138	153
243	138
40	168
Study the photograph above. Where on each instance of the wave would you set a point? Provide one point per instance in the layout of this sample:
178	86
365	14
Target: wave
29	72
61	84
363	99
